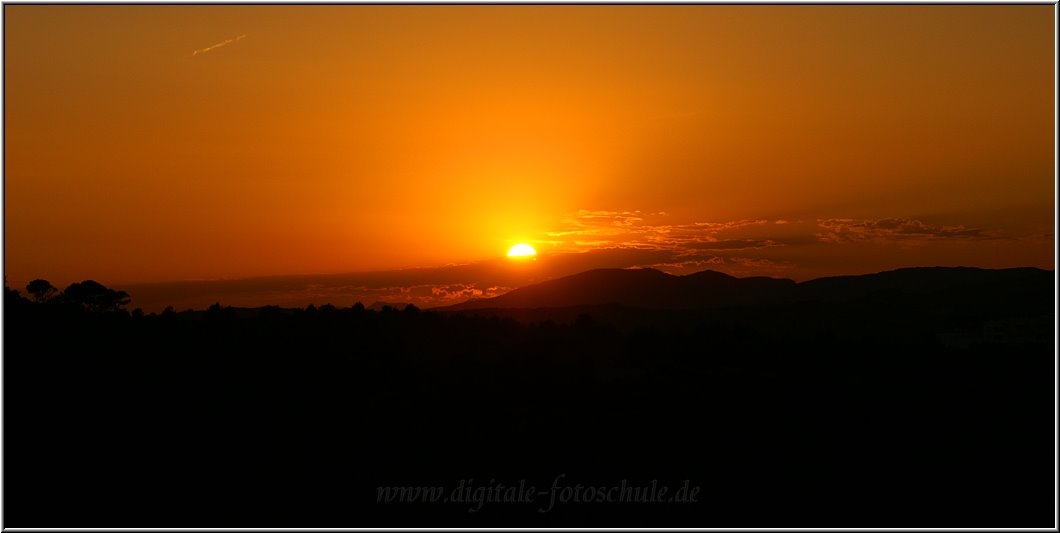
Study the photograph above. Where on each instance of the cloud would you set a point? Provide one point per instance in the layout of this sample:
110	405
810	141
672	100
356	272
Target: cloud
679	248
722	226
441	295
758	264
847	230
585	230
733	244
218	45
585	222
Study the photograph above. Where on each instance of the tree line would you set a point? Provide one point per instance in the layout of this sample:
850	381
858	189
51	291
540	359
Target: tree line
89	295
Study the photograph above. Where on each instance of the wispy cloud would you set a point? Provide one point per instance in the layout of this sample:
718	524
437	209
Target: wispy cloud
756	246
679	247
635	229
459	292
846	230
218	45
758	264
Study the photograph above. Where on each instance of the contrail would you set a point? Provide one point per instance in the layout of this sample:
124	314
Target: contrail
218	45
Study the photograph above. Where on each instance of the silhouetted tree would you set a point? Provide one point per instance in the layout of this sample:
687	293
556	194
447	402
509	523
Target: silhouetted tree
41	290
12	298
93	296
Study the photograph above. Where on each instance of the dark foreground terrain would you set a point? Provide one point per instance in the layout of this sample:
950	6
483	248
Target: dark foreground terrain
915	400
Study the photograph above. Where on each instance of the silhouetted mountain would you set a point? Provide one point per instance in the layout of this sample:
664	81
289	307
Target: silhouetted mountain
652	289
647	288
414	285
918	280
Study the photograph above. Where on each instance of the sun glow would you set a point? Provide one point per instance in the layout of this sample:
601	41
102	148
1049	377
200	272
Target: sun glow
522	250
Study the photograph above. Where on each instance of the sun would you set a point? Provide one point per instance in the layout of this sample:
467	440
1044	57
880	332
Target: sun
522	250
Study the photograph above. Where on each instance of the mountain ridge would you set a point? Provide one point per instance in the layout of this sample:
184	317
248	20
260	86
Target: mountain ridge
654	289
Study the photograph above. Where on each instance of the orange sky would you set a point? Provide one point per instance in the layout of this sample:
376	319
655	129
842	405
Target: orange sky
794	141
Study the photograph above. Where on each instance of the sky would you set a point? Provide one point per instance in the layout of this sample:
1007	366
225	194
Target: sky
177	143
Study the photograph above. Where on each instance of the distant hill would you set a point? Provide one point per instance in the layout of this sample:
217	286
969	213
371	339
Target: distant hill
646	288
652	289
918	280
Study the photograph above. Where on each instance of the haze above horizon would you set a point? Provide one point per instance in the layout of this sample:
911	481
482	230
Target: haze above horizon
159	143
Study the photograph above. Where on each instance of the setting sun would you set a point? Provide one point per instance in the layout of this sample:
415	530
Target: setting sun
768	217
522	250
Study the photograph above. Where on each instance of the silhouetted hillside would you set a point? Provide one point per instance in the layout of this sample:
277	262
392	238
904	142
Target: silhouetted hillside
920	280
652	289
646	287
